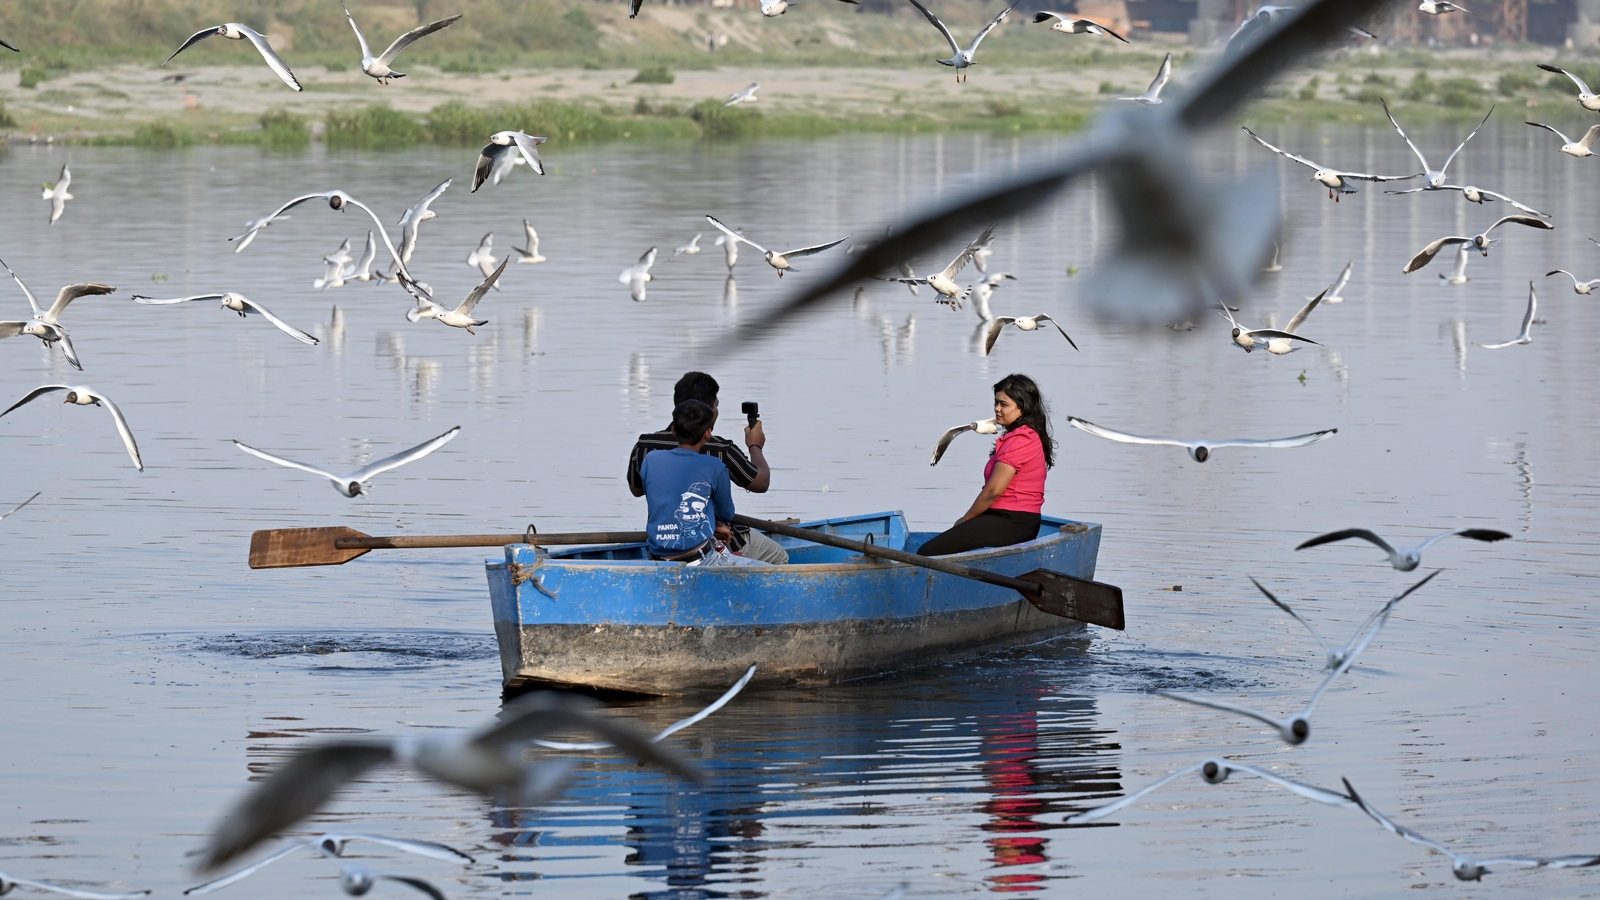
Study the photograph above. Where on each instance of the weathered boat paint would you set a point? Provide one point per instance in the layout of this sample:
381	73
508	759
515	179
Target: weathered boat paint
610	618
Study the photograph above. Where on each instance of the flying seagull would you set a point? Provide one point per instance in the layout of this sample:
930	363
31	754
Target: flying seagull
461	316
1214	771
1297	728
504	142
57	194
411	220
730	250
239	304
1525	335
1475	194
378	66
1335	180
1274	340
1481	242
487	760
636	275
1578	148
690	248
482	258
233	31
1404	559
46	324
333	845
1440	7
88	396
748	95
1071	25
530	253
1578	287
984	290
1434	177
1026	323
361	269
1200	450
943	282
1586	98
337	201
1333	295
672	729
1470	868
775	259
960	59
1152	94
8	883
21	505
982	426
1335	658
353	484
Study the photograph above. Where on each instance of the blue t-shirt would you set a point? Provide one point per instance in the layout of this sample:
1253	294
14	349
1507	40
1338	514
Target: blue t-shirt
688	494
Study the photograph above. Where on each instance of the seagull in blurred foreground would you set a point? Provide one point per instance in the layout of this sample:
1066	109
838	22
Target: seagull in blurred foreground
1578	287
1470	868
332	845
19	506
960	59
1152	94
530	253
690	248
57	194
87	396
354	484
1435	177
46	324
1025	323
1070	25
239	304
776	259
8	883
748	95
1586	98
1481	242
1524	336
482	258
233	31
1335	658
636	275
507	142
1579	147
1404	559
672	729
1200	450
982	426
487	760
1214	771
378	66
1335	180
952	294
1297	728
1440	7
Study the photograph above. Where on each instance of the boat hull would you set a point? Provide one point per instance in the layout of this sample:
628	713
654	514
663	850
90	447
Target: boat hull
605	618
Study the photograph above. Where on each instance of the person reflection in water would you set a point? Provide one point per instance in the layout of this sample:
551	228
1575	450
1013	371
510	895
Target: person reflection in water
1007	509
1009	753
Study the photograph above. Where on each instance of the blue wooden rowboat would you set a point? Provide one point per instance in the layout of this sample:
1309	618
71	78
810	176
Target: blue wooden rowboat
611	618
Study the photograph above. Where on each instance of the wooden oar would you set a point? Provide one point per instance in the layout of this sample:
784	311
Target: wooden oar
285	547
1054	593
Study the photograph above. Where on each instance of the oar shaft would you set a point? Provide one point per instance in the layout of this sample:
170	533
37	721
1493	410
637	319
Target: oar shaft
1026	588
405	542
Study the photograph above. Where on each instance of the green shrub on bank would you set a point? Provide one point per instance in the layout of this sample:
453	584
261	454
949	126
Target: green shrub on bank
719	122
283	130
31	77
373	128
162	136
656	74
6	119
1462	93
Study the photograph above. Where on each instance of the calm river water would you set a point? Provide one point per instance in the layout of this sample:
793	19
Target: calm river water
148	674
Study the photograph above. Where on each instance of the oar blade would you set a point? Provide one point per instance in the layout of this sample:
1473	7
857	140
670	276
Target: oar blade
1077	598
282	548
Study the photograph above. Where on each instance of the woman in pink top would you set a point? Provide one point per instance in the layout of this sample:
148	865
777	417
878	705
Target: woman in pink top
1007	509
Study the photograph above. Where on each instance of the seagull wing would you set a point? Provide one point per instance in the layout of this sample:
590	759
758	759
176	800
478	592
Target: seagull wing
418	884
487	158
262	223
420	848
29	294
965	256
1275	333
1283	153
414	35
1427	253
1464	143
1529	221
123	430
1527	318
812	251
954	47
1564	138
472	298
11	329
1540	862
534	715
196	38
151	301
72	292
293	791
646	260
973	47
70	351
1299	440
283	326
1308	791
1478	534
400	459
1108	434
1589	136
1420	158
1305	311
1100	812
1526	209
37	393
529	146
672	729
1045	318
734	236
946	438
21	505
1097	28
274	62
1160	81
996	325
247	871
1582	88
1366	636
365	50
1400	830
1285	607
1341	281
1225	707
1045	15
74	892
289	463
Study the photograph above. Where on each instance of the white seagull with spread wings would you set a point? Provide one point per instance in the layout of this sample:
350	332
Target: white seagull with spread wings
353	484
233	31
1481	242
1435	177
88	396
1335	180
1580	147
1072	25
378	66
239	304
982	426
960	59
1200	450
1586	98
776	259
46	324
1152	94
943	282
502	142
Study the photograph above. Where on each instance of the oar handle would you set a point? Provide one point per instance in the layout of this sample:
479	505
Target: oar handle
403	542
1026	588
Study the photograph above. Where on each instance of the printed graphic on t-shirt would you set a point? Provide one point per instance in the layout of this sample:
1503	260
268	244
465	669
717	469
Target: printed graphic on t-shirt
690	519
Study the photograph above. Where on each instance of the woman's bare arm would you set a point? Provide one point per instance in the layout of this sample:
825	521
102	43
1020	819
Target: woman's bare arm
999	480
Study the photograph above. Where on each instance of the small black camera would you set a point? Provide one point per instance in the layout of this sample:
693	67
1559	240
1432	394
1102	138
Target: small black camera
751	410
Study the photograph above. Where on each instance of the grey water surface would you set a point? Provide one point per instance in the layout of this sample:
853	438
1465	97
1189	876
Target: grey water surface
148	675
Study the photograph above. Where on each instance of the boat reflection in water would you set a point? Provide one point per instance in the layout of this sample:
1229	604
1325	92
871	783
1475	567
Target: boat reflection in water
858	788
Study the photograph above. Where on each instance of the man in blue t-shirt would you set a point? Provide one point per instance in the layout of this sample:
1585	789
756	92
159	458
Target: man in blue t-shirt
689	495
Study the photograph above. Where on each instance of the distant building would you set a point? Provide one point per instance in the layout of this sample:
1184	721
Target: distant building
1552	22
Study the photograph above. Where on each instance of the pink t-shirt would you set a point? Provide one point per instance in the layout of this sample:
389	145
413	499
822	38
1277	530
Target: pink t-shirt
1022	450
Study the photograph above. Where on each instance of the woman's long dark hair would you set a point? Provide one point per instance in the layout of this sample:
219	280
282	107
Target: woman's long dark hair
1035	415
